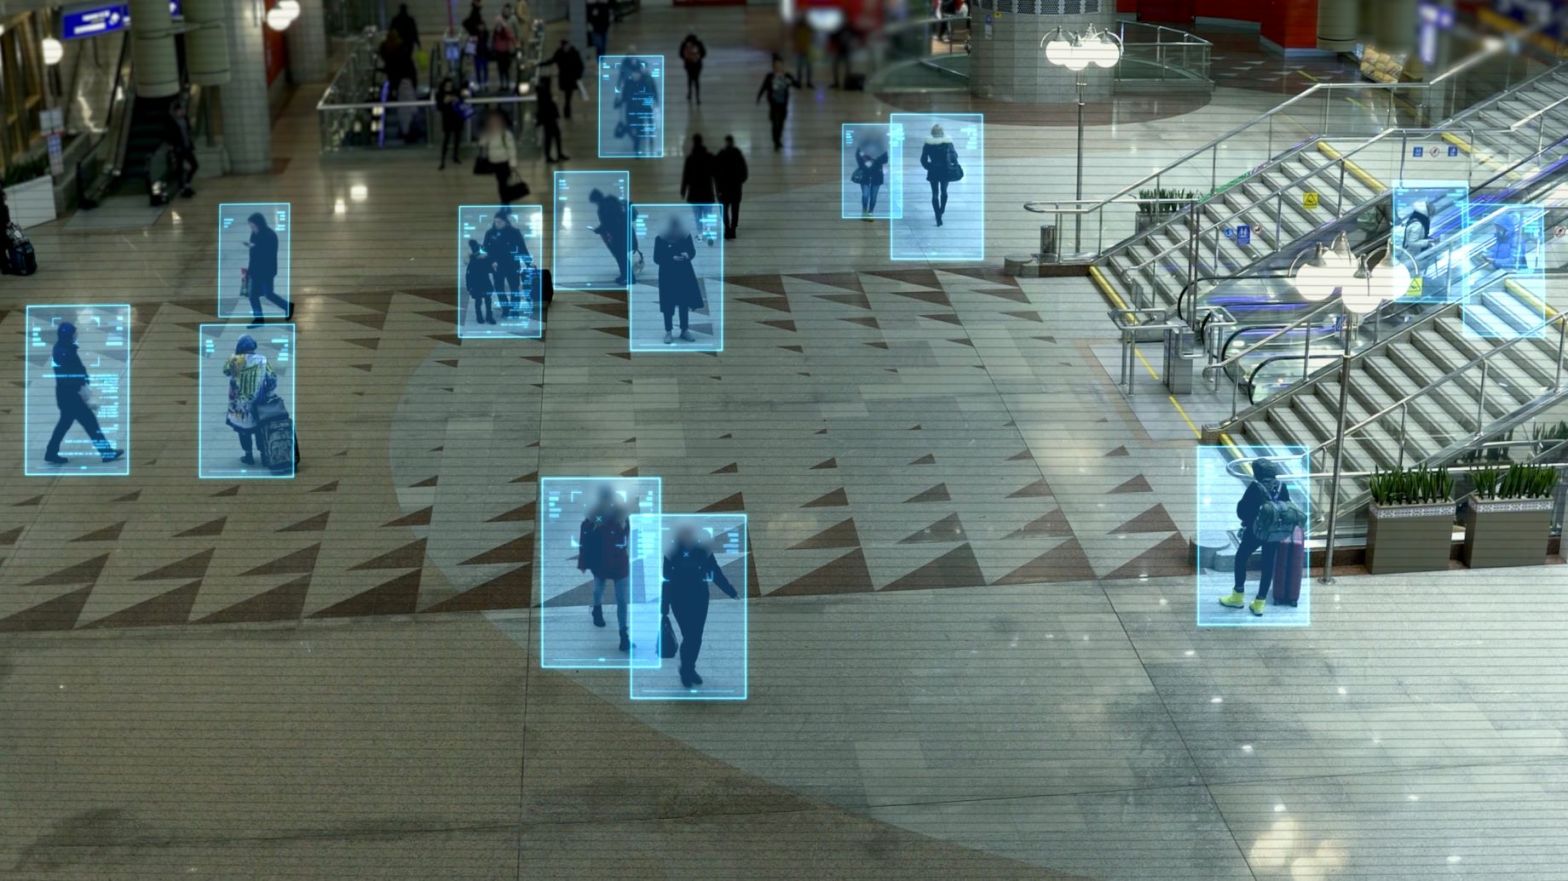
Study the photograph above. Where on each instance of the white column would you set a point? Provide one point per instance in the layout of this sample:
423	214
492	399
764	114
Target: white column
1337	21
247	118
307	38
157	70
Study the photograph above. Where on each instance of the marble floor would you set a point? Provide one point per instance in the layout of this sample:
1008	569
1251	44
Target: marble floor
972	651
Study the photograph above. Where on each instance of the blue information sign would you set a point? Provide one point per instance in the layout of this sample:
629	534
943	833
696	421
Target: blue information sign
93	21
1243	234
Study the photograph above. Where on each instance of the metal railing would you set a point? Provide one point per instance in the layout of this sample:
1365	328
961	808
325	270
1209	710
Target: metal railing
1159	53
1324	110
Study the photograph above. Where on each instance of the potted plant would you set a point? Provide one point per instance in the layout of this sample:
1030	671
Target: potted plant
29	192
1509	516
1411	527
1157	205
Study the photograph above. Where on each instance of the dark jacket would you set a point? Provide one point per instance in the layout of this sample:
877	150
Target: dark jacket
776	87
612	220
677	278
938	159
505	246
729	172
1253	499
568	67
475	22
687	571
598	15
546	112
602	542
70	374
697	177
871	168
446	102
701	53
477	276
263	253
403	25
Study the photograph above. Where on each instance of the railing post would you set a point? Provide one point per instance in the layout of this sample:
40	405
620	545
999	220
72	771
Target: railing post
1339	459
1562	334
1402	411
1306	351
1480	404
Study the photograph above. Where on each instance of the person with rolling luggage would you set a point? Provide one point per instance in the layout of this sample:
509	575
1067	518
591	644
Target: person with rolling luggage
1289	561
1268	519
18	257
255	411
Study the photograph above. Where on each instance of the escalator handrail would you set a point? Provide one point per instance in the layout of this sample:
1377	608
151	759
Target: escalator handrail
1252	378
1225	346
1193	283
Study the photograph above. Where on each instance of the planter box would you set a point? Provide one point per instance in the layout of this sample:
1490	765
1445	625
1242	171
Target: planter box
1410	538
31	202
1507	533
1150	221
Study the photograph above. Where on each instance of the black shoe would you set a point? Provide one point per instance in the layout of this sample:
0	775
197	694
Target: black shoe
598	616
729	235
441	167
939	220
686	680
113	455
626	644
562	158
248	459
696	680
187	193
55	459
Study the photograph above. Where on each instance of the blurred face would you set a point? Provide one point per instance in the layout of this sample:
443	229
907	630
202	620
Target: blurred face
497	223
686	535
252	225
674	228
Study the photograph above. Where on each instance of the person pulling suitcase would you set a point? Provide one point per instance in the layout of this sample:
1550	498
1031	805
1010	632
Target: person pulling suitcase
1269	519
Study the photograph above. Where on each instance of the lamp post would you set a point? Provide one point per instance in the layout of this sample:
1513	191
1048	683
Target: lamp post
1076	52
1362	289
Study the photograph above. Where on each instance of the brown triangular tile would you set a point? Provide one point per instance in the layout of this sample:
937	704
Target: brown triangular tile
286	602
300	561
1065	562
227	493
1156	519
1013	294
846	280
730	503
526	513
864	321
513	590
826	464
10	536
429	481
1138	484
1052	524
1037	490
518	550
847	574
59	613
1116	453
993	276
923	277
400	596
33	502
1025	456
936	493
194	566
859	301
840	535
372	320
85	572
835	499
173	607
530	477
108	533
773	284
780	323
204	530
732	468
956	568
927	459
368	342
327	488
1173	556
777	304
946	318
409	555
309	524
949	528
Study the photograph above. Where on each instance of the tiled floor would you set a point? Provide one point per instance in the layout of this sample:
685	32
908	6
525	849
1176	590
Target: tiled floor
972	643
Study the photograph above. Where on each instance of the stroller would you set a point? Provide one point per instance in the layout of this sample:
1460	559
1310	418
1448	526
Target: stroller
18	257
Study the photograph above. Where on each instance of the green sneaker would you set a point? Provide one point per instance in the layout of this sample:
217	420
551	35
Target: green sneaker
1237	600
1257	608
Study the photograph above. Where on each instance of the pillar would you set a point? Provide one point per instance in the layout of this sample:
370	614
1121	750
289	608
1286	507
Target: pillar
1394	25
1008	64
1337	24
206	42
307	38
247	118
157	69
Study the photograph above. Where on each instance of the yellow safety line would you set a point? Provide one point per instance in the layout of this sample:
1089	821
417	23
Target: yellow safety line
1357	103
1356	170
1105	288
1309	76
1174	403
1521	291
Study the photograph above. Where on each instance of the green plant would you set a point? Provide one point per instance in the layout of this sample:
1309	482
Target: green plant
1517	481
1546	437
1477	454
1413	486
1161	201
26	170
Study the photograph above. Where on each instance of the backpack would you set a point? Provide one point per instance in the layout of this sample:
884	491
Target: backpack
691	53
1278	518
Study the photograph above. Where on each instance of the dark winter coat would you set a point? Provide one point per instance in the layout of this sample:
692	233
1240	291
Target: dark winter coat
263	254
678	284
602	544
938	157
687	571
729	173
697	177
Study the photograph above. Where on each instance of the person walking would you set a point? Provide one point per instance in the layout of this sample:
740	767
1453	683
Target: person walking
775	87
449	103
251	381
602	549
692	52
262	272
612	229
547	116
478	44
499	147
182	146
405	27
871	158
599	14
71	384
569	69
697	174
476	277
939	158
689	566
508	252
679	289
1265	489
729	175
803	39
639	99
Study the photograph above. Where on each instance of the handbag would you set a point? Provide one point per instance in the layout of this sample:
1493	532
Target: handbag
516	187
269	409
859	176
668	646
483	165
955	172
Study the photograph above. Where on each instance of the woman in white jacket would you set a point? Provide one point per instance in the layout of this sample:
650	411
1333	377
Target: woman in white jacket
500	150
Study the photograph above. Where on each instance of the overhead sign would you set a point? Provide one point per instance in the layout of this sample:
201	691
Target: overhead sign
105	18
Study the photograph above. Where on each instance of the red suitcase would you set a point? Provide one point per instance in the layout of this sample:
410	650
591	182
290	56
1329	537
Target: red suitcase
1288	562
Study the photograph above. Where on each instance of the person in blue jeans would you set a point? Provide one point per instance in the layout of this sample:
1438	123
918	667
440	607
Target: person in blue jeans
602	543
689	567
1265	487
